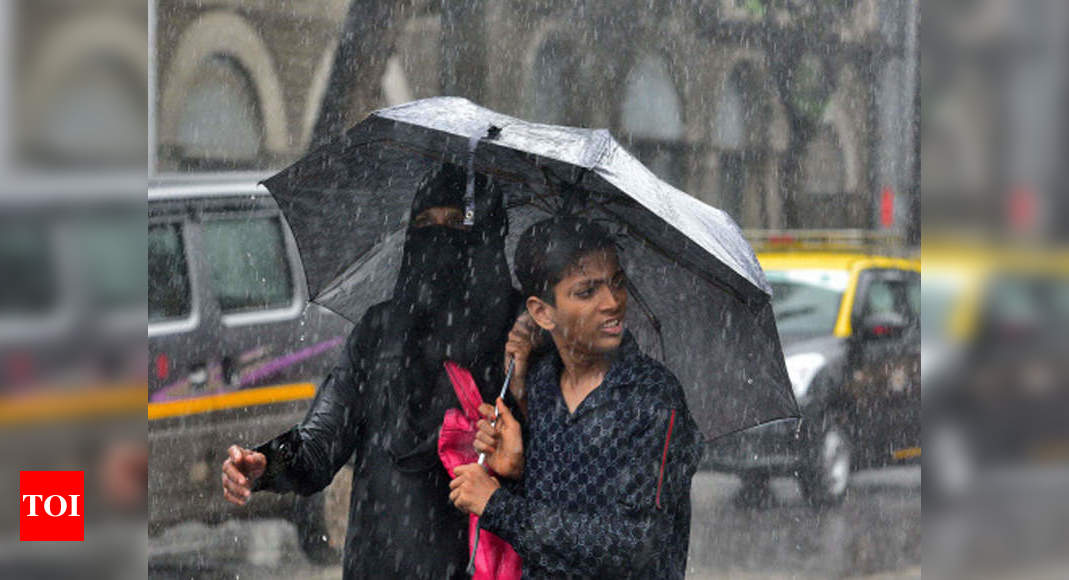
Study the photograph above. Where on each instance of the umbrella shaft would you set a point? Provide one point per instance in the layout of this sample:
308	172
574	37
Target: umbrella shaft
504	389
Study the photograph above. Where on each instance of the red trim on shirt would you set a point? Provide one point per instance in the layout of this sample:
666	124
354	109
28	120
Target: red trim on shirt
664	456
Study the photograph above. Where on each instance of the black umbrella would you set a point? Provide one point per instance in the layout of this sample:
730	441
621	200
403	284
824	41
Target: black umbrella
704	304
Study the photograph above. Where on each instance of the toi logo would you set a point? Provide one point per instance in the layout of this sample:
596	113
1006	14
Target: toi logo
51	506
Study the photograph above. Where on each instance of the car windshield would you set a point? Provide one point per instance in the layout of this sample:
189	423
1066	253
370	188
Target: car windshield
941	294
806	301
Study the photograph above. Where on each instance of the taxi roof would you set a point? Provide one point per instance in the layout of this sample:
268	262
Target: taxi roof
837	260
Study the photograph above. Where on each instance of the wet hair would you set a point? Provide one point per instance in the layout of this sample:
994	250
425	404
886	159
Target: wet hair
548	249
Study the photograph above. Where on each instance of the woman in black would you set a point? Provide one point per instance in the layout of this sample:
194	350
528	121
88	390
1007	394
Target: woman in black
386	398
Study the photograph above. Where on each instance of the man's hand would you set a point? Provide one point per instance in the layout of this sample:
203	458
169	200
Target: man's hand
523	338
240	470
502	443
472	488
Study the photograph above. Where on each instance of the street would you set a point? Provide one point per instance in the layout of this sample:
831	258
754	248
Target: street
876	532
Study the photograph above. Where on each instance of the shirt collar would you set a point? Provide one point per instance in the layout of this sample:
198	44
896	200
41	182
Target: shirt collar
620	369
623	364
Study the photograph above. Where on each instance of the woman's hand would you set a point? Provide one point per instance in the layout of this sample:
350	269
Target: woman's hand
240	470
472	488
502	443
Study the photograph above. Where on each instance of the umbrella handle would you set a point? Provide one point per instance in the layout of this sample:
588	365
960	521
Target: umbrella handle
474	550
504	389
482	459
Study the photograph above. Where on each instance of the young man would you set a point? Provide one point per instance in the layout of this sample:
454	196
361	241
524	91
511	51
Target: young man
386	399
604	464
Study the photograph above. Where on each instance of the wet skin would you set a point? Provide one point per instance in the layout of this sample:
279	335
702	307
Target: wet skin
450	217
590	301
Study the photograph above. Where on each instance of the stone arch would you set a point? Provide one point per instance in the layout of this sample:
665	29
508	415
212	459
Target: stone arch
550	38
824	163
318	87
741	117
656	69
749	131
833	180
227	34
845	113
220	119
395	86
97	38
771	130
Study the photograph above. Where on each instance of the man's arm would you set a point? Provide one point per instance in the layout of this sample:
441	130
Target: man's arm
623	537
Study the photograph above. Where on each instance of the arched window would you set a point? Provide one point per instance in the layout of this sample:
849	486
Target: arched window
740	135
549	99
97	115
824	164
730	128
220	125
741	111
395	87
826	203
652	118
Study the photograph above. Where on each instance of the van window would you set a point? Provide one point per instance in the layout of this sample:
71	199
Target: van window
26	264
112	264
248	264
168	276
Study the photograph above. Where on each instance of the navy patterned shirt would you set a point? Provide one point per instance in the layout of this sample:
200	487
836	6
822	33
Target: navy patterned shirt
606	490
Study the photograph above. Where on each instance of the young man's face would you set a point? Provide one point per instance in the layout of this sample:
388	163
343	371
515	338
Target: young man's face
591	301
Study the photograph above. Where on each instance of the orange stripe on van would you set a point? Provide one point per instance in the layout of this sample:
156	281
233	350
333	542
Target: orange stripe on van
46	405
236	399
907	453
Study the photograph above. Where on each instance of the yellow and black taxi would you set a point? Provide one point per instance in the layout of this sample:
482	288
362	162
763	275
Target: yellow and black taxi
235	352
848	318
995	345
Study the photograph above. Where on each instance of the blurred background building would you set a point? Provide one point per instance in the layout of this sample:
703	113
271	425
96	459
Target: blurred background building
73	120
785	114
78	72
994	118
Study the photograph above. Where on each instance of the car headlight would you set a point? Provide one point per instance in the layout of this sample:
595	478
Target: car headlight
801	368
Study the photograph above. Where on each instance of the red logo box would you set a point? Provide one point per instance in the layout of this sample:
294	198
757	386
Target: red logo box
51	506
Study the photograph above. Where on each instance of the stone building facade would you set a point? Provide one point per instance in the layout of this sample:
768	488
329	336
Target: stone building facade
687	86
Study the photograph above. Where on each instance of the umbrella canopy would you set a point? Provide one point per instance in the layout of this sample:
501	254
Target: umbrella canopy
704	303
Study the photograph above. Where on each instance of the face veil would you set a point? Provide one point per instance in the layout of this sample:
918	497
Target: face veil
453	301
454	290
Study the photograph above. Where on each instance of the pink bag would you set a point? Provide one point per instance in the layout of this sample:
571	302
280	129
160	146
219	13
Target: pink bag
495	559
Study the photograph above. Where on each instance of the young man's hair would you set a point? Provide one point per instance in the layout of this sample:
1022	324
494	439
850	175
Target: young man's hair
549	248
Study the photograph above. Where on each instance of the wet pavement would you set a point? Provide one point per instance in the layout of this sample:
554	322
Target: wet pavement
875	532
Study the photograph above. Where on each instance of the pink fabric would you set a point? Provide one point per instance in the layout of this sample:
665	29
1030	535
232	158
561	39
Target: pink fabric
495	560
